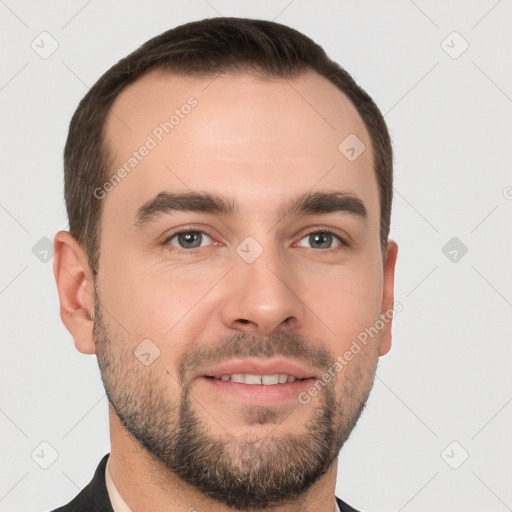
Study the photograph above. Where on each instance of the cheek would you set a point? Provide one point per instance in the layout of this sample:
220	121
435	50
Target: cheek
346	300
165	305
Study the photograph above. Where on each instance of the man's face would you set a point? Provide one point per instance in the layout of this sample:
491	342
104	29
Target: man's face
263	292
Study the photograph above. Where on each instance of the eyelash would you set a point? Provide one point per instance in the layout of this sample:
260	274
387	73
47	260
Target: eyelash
343	243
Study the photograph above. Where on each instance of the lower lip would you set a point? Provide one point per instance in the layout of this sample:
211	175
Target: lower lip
259	394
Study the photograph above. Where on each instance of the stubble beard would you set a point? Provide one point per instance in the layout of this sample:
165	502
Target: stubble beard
245	473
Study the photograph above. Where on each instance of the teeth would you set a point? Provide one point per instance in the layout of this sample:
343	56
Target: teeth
270	379
252	379
266	380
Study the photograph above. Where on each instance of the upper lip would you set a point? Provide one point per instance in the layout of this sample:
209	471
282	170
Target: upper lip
259	367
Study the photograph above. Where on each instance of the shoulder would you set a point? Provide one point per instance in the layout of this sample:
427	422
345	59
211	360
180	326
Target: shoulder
344	507
94	496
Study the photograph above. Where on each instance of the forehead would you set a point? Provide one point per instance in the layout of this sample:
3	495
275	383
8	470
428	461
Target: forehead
258	139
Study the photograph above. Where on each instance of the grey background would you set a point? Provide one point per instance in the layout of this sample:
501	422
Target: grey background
448	375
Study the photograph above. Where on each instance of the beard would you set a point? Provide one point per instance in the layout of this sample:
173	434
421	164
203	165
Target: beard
248	472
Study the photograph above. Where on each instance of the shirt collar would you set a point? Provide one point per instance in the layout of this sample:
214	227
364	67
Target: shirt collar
118	504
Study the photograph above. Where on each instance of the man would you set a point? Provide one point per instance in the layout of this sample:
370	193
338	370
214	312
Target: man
229	195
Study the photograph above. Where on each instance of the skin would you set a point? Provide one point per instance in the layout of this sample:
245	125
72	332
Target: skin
259	142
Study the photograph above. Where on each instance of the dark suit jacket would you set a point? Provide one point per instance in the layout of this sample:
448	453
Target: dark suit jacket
94	497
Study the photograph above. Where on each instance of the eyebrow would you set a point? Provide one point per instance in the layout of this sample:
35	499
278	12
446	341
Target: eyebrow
316	203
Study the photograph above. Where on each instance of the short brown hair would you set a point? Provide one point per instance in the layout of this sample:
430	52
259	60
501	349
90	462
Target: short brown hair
207	47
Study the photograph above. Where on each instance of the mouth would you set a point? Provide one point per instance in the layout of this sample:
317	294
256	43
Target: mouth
258	382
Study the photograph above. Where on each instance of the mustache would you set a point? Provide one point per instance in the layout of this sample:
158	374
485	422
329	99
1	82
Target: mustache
242	345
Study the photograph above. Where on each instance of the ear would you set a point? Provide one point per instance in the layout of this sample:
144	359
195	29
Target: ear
388	296
76	290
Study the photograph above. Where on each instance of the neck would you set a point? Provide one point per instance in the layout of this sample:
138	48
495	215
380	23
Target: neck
145	484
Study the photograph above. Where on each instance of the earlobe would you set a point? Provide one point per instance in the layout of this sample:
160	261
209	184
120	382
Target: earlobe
388	296
76	290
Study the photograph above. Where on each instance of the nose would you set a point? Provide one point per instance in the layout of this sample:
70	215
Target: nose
262	296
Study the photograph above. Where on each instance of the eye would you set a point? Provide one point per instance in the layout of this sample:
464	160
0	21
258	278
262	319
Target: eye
323	240
189	239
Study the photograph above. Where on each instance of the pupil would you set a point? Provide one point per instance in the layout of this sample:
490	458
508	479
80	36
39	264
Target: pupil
187	239
323	239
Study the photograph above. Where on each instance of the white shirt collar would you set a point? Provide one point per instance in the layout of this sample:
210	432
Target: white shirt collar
118	504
